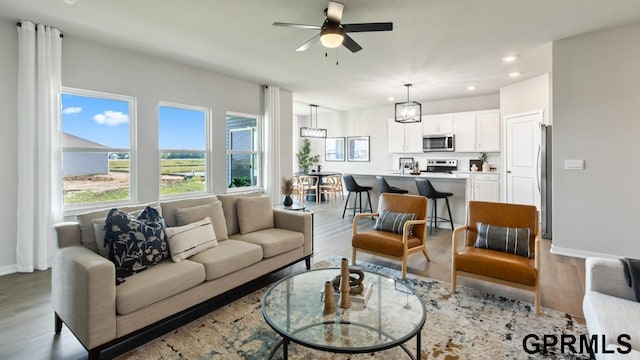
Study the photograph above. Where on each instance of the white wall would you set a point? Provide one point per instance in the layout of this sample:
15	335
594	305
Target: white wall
596	107
373	123
528	95
92	66
8	145
85	163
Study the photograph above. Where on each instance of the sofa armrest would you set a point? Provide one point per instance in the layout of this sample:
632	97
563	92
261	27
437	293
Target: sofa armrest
299	221
607	276
68	234
83	294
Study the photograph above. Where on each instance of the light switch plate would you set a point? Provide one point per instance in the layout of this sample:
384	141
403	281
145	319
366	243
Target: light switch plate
574	164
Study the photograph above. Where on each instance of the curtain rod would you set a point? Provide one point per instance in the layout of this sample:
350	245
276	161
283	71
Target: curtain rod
20	24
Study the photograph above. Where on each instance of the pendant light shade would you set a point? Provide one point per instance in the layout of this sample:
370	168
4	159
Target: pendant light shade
311	131
408	111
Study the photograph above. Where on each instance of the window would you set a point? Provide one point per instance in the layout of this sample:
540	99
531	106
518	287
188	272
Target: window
97	147
243	150
183	148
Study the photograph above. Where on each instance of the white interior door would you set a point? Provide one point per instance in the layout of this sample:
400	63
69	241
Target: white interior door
523	158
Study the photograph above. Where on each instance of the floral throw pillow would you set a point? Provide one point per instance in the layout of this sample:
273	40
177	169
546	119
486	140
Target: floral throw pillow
135	243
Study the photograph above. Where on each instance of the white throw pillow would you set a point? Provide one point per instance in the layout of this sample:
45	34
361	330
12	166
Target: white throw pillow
190	239
99	233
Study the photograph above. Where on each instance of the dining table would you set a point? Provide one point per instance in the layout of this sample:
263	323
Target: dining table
320	175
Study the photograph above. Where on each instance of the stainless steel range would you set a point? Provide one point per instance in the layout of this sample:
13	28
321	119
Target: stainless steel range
441	166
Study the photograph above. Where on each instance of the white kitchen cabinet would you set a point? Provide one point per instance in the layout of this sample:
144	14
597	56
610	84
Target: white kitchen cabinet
477	131
488	131
464	132
485	187
405	138
437	124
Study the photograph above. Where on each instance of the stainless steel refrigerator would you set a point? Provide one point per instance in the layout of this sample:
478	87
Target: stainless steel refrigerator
545	181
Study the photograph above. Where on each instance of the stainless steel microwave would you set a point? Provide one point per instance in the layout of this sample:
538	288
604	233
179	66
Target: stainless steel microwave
431	143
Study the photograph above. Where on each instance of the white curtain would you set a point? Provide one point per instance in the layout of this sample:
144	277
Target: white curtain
39	149
272	142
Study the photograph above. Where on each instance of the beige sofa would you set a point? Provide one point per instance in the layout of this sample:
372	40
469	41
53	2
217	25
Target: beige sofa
100	314
610	310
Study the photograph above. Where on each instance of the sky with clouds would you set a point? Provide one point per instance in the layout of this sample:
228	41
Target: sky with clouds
107	122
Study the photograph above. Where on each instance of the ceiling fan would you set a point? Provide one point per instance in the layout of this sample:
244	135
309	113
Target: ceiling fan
333	33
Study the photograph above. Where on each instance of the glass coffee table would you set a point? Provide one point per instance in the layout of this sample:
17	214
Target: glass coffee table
293	307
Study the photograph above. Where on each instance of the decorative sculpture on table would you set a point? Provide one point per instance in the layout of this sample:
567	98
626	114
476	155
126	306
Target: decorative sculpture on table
329	302
352	286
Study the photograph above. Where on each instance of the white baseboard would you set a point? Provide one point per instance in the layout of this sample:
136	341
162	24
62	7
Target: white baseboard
8	269
556	250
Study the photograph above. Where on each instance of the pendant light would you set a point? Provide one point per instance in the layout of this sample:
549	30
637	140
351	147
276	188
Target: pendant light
408	111
311	131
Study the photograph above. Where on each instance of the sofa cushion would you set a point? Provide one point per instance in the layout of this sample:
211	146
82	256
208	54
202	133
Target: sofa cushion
229	208
254	213
393	221
610	315
85	221
510	240
163	280
273	241
135	243
227	257
169	208
190	239
214	211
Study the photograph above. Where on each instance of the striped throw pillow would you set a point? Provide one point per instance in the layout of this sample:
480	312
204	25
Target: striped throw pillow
506	239
393	221
190	239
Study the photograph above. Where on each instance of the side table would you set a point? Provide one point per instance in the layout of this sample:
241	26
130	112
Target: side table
300	207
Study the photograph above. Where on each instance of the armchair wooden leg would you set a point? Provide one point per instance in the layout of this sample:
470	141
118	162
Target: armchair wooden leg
426	253
537	300
404	266
454	277
353	256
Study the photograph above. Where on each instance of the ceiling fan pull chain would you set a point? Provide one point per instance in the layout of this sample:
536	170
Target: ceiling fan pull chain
337	58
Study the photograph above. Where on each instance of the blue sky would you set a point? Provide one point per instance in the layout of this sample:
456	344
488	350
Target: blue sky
107	122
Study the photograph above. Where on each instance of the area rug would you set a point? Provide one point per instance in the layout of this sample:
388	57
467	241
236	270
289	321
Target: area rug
467	325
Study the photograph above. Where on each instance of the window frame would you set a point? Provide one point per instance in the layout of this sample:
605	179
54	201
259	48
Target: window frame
208	172
258	151
74	209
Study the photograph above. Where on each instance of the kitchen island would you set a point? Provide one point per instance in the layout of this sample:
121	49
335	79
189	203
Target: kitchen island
454	183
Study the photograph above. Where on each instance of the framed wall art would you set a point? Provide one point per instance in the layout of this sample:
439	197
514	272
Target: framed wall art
358	148
334	149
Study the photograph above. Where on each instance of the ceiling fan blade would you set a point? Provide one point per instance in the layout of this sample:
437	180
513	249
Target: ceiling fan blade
351	44
382	26
334	11
298	26
309	42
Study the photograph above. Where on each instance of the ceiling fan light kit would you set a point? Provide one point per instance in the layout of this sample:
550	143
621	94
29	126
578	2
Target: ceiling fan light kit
333	33
408	111
312	132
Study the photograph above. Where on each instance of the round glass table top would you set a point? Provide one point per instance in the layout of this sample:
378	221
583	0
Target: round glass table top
393	314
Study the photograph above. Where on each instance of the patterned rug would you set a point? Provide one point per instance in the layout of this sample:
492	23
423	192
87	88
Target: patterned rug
467	325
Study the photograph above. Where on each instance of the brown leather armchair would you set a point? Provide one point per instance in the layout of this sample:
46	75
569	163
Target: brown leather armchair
497	266
389	244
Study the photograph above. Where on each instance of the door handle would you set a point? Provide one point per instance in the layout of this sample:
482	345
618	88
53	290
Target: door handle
508	171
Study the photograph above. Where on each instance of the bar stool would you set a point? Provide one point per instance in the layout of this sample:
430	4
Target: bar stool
426	189
353	187
386	188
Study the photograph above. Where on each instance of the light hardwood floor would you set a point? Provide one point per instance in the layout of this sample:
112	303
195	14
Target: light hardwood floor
26	316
